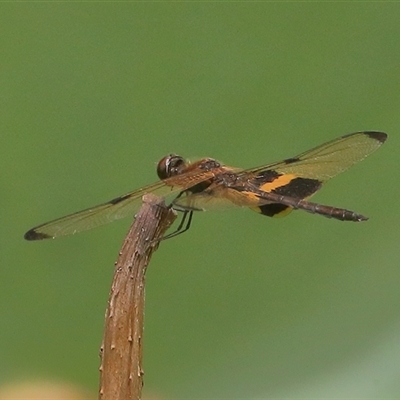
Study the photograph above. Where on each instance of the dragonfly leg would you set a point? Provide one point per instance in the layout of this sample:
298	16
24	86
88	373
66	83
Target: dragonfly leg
183	225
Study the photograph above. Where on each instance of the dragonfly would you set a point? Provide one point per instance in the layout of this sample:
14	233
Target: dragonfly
272	190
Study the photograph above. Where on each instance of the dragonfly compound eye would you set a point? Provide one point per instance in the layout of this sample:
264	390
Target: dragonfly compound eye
170	165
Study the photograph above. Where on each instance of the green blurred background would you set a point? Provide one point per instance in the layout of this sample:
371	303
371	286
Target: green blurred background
242	306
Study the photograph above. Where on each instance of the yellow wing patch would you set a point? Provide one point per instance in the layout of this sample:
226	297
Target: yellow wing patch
280	181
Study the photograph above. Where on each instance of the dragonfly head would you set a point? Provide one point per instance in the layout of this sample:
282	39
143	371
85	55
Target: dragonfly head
170	165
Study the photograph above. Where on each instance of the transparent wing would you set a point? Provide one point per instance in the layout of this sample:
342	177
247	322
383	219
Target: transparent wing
329	159
320	163
117	208
89	218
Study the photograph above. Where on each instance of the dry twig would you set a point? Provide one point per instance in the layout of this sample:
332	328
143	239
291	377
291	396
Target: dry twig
121	373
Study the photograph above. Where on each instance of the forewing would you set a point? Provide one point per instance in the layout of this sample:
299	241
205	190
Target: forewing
89	218
120	207
329	159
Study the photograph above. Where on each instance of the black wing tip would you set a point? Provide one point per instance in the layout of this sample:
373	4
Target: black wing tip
376	135
379	136
33	235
